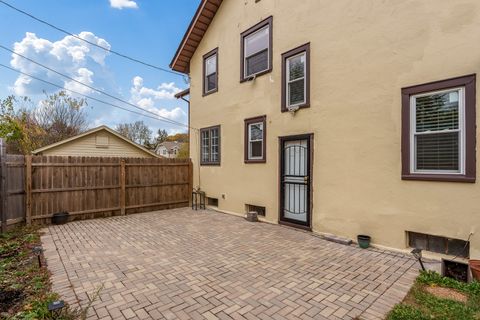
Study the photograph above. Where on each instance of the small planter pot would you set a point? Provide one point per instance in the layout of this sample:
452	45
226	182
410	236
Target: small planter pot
363	241
60	218
475	268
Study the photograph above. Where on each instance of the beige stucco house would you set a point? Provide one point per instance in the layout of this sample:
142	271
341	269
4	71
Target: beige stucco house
340	117
98	142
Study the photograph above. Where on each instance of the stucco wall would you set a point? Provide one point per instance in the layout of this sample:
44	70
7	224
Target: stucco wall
86	147
362	54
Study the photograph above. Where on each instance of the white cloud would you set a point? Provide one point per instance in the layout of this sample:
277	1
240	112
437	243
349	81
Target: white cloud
69	56
163	91
84	76
147	97
120	4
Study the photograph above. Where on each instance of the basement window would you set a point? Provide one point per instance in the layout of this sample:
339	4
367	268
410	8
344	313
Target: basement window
213	202
259	210
437	244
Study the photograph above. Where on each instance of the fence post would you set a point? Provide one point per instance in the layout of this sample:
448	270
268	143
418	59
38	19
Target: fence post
122	187
28	189
190	182
3	184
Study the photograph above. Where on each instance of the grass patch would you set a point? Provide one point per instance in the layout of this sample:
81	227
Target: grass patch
421	305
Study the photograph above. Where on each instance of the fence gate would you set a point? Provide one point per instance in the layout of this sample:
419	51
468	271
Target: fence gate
12	189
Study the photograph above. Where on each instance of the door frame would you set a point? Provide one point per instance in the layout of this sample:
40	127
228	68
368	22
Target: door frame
281	219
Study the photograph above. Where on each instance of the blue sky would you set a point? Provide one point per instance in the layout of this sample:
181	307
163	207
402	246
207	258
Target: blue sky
149	30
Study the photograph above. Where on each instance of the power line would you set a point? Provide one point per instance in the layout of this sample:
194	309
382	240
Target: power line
90	97
91	43
86	85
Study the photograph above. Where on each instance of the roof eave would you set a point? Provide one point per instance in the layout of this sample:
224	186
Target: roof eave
205	6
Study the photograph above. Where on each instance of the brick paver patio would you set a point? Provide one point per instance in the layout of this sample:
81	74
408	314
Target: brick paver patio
183	264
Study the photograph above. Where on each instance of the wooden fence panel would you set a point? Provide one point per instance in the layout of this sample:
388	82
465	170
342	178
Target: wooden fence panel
12	190
89	187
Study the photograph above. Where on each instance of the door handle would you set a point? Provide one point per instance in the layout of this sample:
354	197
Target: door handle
305	179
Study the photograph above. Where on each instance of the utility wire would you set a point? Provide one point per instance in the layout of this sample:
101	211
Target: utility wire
91	43
86	85
90	97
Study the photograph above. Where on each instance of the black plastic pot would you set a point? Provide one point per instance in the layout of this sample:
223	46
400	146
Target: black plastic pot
363	241
60	218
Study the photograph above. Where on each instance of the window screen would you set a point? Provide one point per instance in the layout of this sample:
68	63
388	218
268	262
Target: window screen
438	130
296	80
211	73
255	140
256	46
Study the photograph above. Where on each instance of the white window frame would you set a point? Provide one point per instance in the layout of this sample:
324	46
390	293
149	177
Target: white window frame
461	129
287	79
205	146
212	145
245	57
213	56
250	157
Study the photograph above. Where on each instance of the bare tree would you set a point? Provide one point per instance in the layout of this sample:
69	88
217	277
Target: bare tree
137	132
61	116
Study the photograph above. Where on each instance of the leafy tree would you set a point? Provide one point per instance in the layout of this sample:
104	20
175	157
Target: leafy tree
183	152
162	136
180	137
137	132
27	128
18	128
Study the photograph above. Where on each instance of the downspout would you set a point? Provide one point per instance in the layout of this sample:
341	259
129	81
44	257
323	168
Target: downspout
189	138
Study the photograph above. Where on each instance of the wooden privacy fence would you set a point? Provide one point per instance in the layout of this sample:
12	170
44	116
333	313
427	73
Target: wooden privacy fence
90	187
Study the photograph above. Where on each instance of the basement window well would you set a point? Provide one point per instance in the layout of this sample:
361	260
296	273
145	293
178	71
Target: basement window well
259	210
213	202
437	244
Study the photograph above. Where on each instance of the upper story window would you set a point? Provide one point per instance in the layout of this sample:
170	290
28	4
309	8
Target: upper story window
210	72
438	141
210	146
255	144
296	78
256	50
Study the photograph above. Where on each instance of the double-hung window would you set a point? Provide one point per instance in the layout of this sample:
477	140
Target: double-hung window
210	72
255	144
210	146
440	142
256	50
296	78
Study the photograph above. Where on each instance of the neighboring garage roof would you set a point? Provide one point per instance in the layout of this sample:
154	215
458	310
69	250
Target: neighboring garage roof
91	131
197	28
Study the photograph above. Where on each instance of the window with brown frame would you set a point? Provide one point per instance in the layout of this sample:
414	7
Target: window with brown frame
210	146
296	78
438	130
210	72
255	140
256	50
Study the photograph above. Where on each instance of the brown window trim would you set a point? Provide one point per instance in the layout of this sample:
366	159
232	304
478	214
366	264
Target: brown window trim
246	142
205	57
268	21
211	163
303	48
468	82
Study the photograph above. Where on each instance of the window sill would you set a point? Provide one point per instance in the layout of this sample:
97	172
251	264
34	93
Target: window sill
255	160
302	106
439	177
210	164
261	73
209	92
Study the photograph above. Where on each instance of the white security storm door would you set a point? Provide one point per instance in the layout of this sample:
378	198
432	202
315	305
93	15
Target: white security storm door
295	181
